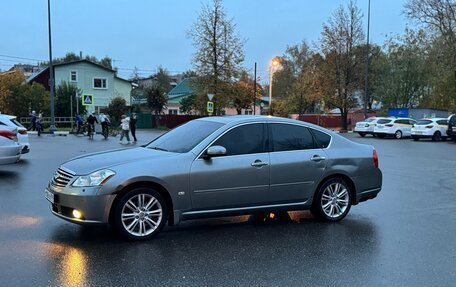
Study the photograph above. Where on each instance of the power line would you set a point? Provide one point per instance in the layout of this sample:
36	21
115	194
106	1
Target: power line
21	58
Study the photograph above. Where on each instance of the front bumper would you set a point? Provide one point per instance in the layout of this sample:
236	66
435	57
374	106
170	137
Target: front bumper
95	209
368	130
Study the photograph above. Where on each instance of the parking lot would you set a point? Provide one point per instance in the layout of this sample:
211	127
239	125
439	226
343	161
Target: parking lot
404	237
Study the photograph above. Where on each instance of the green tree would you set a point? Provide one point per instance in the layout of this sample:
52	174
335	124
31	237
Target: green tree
65	94
187	104
163	81
156	100
341	35
116	108
219	53
242	93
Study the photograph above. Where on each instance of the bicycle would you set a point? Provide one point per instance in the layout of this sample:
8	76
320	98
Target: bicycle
105	130
90	131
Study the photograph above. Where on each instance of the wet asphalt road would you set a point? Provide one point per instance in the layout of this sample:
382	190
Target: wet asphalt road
404	237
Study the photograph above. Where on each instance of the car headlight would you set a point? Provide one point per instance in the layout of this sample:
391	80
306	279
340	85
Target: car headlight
94	179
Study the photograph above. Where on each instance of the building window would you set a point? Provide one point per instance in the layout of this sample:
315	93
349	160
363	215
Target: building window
100	83
73	76
172	112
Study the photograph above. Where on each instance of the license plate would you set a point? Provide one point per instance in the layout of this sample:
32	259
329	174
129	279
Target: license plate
380	127
49	196
418	133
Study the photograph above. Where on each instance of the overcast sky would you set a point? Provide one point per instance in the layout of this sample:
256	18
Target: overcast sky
148	33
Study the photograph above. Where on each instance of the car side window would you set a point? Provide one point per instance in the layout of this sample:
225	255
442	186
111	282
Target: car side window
2	124
246	139
322	139
442	122
290	137
412	122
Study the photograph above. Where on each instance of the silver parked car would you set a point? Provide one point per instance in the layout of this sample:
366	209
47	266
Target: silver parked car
217	166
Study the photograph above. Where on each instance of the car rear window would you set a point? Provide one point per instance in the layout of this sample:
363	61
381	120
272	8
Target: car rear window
442	122
383	121
424	122
14	121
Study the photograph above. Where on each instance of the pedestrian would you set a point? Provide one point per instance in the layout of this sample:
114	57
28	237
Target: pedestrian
79	121
32	121
133	121
39	123
125	125
91	120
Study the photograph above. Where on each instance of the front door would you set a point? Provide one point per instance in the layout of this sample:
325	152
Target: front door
238	179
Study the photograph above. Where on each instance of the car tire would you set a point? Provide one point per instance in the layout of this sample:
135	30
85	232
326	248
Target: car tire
140	214
415	138
437	136
332	201
398	134
362	134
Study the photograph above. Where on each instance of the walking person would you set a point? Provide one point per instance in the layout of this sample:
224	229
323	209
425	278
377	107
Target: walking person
125	125
133	122
32	121
39	123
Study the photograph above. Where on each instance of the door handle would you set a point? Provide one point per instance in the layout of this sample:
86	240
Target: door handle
258	163
317	158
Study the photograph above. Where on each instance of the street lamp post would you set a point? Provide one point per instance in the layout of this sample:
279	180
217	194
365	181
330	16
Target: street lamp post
52	128
366	80
274	63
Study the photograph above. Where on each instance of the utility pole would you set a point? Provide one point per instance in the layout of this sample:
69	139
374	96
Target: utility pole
366	80
52	128
254	87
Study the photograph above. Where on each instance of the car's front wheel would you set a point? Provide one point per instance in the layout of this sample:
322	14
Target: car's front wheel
332	201
398	134
140	214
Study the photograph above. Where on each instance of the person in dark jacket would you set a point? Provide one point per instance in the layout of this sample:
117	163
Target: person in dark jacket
32	121
79	121
133	121
91	120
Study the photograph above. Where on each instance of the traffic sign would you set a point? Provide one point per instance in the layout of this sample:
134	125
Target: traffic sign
210	107
210	96
87	100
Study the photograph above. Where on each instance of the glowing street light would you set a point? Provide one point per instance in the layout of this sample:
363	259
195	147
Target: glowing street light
275	62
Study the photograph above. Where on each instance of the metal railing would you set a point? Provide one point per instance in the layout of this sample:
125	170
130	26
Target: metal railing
58	120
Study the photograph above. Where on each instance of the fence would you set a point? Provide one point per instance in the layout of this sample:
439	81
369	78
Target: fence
333	121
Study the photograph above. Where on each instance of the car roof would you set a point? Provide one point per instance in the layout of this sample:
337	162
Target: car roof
7	116
238	119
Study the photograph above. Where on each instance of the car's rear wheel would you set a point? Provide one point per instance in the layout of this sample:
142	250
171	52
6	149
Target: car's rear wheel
362	134
332	201
437	136
398	134
140	214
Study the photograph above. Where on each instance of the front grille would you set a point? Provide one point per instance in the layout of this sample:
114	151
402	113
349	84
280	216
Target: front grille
62	178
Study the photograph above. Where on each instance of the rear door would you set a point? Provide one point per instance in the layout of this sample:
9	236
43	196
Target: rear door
297	163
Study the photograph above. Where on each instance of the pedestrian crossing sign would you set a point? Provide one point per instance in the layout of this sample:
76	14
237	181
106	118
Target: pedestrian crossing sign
87	100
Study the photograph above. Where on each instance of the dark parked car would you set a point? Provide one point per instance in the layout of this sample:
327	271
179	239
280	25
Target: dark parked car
217	166
452	127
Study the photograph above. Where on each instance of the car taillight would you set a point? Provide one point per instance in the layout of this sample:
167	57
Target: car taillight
389	125
9	135
23	132
429	127
375	158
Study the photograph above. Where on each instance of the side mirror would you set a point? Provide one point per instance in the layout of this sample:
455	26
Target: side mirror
214	151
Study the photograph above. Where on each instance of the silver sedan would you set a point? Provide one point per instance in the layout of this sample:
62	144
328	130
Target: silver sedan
217	166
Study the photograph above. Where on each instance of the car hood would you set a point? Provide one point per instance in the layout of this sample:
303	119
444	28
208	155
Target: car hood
108	159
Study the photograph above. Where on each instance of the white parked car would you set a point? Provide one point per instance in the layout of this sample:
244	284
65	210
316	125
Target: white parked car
22	136
10	149
435	128
367	126
396	127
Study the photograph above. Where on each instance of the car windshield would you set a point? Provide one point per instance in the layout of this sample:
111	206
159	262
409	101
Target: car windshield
185	137
383	121
423	122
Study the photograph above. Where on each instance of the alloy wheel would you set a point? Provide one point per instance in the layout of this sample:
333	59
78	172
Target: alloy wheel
334	200
141	215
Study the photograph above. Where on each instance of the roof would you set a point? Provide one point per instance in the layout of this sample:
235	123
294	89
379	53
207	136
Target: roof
74	62
182	89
